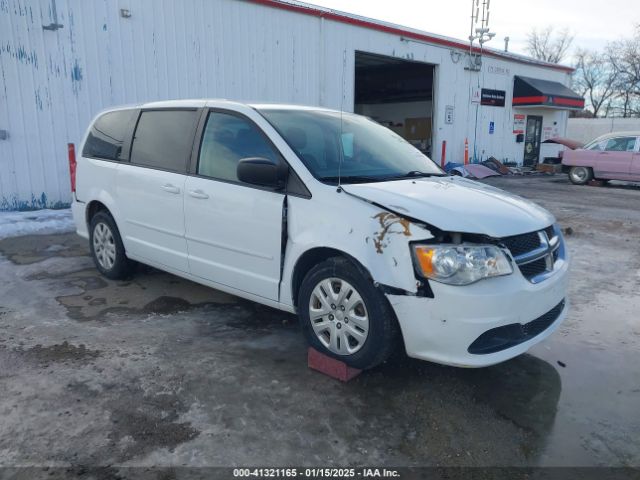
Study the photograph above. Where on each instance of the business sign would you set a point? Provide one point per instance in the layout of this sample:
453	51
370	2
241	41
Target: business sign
518	123
549	132
494	98
498	70
475	95
448	114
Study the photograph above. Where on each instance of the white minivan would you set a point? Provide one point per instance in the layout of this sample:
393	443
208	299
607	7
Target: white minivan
326	214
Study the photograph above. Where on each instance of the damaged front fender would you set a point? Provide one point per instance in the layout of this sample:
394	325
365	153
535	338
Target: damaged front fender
376	238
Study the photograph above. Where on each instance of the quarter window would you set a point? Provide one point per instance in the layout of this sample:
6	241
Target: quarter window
621	144
107	135
226	140
164	138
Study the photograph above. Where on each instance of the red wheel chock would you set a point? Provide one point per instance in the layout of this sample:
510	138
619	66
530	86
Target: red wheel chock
330	366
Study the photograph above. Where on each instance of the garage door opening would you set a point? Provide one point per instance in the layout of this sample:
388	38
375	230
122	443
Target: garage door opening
398	94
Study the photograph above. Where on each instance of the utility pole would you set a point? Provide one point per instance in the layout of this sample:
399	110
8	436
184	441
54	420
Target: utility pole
479	31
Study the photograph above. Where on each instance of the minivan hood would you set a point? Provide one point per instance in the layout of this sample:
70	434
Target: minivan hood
455	204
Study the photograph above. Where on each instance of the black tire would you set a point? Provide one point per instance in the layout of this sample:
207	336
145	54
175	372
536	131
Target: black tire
580	175
121	267
383	332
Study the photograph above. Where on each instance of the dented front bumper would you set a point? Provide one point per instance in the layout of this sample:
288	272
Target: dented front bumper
441	329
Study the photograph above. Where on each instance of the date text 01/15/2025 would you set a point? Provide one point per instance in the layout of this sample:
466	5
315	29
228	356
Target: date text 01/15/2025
315	473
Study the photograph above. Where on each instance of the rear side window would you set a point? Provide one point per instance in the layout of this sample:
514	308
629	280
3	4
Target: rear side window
621	144
107	136
226	140
163	139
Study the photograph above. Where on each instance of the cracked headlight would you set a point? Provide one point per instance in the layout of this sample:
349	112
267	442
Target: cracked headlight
460	264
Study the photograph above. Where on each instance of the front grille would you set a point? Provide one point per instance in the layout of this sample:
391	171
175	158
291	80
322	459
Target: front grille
550	231
507	336
540	324
536	253
534	268
519	244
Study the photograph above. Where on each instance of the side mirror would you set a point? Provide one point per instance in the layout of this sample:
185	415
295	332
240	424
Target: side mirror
262	172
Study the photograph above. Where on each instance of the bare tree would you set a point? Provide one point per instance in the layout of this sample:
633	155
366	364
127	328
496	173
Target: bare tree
544	44
596	78
624	56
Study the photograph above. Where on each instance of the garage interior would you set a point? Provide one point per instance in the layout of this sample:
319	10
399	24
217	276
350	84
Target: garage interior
398	94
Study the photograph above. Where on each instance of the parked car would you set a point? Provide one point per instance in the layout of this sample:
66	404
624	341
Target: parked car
326	214
614	156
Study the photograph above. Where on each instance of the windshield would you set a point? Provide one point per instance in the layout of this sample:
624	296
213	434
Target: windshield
369	151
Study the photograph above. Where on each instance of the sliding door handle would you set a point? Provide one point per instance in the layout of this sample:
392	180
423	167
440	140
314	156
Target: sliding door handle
198	194
167	187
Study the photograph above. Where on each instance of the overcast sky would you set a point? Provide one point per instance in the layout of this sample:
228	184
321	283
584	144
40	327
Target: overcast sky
594	23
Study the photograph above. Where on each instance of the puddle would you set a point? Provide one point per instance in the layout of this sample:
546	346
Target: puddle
149	291
63	352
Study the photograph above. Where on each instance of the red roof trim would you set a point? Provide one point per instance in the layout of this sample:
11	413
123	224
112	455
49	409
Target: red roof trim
544	100
534	99
571	102
372	25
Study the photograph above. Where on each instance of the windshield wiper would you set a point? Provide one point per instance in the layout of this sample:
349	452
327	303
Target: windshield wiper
366	178
416	174
353	179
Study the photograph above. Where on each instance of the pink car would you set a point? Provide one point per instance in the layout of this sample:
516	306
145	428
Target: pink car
614	156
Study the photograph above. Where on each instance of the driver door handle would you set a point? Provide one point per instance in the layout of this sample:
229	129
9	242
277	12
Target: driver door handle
198	194
167	187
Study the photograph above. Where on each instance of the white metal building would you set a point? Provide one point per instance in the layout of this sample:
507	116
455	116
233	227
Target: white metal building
62	61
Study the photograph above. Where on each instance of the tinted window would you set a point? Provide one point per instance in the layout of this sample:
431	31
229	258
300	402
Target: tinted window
226	140
164	138
107	135
621	144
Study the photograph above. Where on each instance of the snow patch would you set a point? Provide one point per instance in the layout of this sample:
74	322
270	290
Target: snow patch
41	222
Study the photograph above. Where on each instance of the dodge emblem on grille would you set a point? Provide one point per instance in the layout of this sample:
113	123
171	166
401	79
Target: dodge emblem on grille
545	243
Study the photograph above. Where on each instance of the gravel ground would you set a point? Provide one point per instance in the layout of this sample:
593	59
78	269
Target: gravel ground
159	371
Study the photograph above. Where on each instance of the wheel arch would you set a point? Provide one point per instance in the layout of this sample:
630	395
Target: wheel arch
94	207
105	203
313	257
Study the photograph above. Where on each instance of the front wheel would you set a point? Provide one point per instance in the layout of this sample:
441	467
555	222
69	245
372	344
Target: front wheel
580	175
344	316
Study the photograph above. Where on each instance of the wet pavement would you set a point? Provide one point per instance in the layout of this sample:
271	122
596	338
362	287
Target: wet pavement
159	371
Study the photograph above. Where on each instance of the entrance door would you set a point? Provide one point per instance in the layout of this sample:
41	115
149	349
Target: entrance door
532	140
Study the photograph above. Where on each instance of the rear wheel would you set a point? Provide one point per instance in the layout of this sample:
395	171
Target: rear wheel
580	175
106	248
344	316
